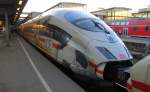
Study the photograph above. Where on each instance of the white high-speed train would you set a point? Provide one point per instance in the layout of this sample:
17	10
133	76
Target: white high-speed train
81	42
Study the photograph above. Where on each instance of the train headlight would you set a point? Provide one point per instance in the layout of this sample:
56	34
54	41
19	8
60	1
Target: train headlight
106	53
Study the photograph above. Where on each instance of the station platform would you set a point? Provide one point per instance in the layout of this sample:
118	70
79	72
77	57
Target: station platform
24	69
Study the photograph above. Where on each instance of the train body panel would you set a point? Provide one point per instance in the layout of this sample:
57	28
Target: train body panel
140	75
81	41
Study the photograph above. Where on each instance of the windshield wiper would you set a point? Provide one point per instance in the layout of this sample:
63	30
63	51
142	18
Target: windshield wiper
101	27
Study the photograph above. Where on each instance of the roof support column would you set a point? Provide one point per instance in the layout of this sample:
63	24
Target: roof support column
7	28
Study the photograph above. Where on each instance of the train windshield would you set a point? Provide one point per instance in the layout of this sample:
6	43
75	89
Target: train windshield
86	21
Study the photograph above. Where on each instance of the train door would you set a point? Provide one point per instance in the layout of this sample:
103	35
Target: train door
125	31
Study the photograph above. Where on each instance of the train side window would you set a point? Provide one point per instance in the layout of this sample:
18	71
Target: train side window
127	23
29	31
113	23
59	35
117	23
122	23
135	28
147	28
43	31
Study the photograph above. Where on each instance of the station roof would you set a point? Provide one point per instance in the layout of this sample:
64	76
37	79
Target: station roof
12	7
66	5
104	12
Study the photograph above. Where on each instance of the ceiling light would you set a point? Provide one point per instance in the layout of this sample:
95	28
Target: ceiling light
18	9
20	2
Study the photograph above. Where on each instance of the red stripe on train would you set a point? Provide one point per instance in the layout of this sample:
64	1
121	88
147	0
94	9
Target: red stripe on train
56	45
129	86
141	86
99	71
94	66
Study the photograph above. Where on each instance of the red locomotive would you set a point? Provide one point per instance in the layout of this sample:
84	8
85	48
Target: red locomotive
131	27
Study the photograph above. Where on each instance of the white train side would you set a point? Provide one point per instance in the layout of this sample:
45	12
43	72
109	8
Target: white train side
82	42
140	76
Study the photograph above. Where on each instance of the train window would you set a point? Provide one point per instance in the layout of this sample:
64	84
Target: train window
59	34
127	23
86	21
117	23
81	59
122	23
113	23
92	25
147	28
135	28
43	31
88	24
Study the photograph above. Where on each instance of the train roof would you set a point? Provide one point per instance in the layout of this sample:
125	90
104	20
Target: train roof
57	12
54	12
135	19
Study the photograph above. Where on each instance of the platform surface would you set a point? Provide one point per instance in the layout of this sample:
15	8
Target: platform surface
24	69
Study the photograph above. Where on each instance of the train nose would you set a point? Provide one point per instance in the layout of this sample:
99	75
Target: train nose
114	52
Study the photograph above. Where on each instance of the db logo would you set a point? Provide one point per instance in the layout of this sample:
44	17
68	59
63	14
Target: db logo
122	56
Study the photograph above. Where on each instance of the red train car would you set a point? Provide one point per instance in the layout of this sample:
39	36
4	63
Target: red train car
131	27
